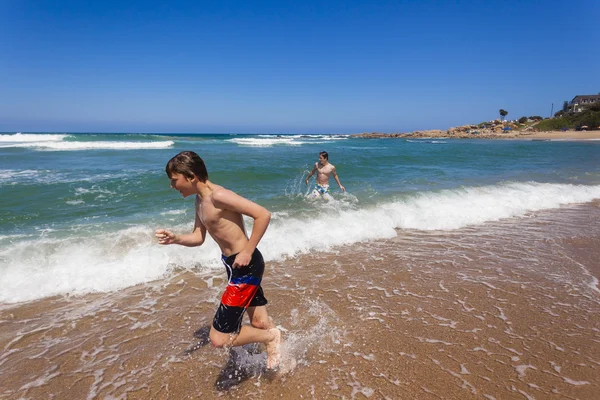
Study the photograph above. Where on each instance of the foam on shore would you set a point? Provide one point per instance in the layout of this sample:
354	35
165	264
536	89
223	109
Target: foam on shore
59	262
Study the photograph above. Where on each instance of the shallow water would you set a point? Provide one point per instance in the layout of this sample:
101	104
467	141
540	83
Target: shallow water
77	211
506	309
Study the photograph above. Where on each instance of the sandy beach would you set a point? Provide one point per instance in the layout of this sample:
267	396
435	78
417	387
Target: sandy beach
557	135
503	311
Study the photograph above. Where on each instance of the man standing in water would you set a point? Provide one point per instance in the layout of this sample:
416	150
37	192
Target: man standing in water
219	212
324	171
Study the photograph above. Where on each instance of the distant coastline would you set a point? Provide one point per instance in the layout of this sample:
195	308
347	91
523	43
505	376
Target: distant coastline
475	132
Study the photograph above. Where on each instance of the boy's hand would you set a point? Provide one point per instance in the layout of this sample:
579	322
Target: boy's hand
164	236
242	259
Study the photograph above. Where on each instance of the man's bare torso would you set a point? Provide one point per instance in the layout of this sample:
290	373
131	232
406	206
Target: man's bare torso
324	172
226	227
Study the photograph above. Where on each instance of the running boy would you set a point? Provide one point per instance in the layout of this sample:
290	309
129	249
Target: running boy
219	212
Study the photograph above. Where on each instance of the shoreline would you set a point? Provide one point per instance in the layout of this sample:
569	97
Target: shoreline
420	315
486	134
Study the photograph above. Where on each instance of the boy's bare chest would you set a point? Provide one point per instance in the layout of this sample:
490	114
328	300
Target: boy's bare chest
208	214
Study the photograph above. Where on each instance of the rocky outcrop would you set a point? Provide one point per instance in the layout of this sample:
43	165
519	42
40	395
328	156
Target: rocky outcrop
493	130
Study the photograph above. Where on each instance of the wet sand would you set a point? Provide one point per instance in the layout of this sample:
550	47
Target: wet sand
508	310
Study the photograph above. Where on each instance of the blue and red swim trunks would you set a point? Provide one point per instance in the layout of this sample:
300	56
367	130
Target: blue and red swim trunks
243	290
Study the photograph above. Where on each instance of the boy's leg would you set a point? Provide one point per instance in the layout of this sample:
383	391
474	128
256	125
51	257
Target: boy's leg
259	317
248	334
243	293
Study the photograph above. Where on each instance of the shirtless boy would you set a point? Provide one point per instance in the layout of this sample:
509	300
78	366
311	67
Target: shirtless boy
219	212
324	170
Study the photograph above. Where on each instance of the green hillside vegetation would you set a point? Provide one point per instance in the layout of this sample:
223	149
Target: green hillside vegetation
564	120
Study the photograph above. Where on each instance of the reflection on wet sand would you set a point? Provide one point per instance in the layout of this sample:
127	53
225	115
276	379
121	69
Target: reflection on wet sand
505	310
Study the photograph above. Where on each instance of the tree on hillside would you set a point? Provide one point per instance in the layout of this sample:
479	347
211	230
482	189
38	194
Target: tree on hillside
503	113
566	106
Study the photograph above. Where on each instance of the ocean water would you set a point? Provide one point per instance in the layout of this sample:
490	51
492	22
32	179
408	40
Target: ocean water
458	269
78	211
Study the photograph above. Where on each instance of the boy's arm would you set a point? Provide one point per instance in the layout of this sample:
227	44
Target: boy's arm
311	173
335	176
226	199
196	238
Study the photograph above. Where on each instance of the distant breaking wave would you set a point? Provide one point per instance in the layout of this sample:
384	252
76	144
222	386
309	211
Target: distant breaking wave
32	137
311	136
44	141
287	140
266	142
56	145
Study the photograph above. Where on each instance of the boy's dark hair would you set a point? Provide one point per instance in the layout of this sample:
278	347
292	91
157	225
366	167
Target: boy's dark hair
324	154
188	164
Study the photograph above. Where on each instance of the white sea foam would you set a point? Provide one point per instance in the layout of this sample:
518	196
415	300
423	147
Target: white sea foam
92	190
12	176
336	137
266	142
35	268
103	145
50	177
457	208
313	138
45	267
445	210
31	137
322	137
173	212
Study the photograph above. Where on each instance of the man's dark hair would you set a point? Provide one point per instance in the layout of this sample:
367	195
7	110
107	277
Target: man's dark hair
324	154
188	164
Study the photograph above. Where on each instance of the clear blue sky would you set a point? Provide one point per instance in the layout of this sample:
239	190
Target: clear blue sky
289	66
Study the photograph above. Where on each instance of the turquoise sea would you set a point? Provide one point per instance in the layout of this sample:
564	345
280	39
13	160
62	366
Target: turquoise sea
78	210
450	269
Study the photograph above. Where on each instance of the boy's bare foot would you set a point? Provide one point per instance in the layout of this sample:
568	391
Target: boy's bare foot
273	349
